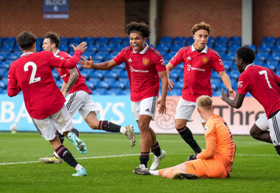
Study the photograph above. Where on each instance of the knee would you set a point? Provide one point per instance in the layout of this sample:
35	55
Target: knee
180	124
143	126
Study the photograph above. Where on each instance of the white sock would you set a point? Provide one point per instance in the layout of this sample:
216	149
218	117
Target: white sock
55	154
154	173
123	130
78	167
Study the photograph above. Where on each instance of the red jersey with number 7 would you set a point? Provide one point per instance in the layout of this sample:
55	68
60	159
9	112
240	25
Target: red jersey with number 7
262	84
32	72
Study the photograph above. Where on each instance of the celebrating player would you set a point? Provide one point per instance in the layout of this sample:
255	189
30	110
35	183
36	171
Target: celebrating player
199	60
79	98
263	84
216	160
143	64
32	73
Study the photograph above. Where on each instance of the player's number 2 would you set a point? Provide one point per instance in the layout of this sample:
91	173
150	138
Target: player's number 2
264	72
33	73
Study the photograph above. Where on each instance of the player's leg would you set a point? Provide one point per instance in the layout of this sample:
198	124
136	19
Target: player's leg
184	112
274	129
47	129
260	131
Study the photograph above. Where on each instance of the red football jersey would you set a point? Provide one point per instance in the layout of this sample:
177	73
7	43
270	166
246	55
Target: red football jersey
64	74
32	72
142	69
197	70
262	84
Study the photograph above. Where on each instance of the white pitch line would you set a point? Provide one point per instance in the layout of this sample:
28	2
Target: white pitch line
127	155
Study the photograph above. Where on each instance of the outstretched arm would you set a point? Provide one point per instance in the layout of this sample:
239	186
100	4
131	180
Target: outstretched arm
236	102
227	83
101	66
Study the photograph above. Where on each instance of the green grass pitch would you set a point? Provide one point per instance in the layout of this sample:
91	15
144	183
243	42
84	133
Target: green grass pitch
110	161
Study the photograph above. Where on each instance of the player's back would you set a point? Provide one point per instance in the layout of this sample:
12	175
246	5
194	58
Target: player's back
34	76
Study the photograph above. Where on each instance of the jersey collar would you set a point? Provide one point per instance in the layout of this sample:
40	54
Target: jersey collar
252	64
57	52
144	50
26	54
203	51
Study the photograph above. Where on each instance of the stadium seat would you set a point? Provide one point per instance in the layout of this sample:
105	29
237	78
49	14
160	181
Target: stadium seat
104	48
98	56
89	40
76	40
55	75
63	47
190	41
163	47
9	41
110	56
268	40
1	40
90	84
253	47
86	56
272	65
211	40
5	65
233	48
259	62
220	48
101	85
221	39
2	85
261	56
91	49
63	40
166	40
227	65
2	57
6	48
117	47
111	75
115	40
59	83
273	57
235	40
167	56
118	85
97	74
234	74
101	40
180	40
210	44
12	56
228	57
215	84
175	47
276	49
264	48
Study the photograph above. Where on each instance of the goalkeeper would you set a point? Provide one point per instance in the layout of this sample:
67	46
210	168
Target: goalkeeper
216	160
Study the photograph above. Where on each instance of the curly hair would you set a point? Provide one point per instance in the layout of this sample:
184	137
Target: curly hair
26	40
201	25
137	27
246	54
54	38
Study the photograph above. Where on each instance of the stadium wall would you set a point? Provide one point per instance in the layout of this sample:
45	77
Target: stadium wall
117	109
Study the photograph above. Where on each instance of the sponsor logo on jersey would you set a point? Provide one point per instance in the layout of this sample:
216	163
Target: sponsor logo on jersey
189	58
189	68
129	60
240	84
204	60
145	61
142	71
59	69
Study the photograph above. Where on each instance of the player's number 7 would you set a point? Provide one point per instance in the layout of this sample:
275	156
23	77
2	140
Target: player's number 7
264	72
33	73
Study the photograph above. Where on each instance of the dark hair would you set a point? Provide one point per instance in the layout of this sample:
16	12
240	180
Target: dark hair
54	38
200	26
26	40
137	27
246	54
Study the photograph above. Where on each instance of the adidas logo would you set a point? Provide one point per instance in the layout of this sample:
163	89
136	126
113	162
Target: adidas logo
129	60
148	110
189	58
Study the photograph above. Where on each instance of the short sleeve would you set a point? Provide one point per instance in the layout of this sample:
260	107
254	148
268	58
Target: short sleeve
217	64
55	60
160	66
244	84
178	58
120	57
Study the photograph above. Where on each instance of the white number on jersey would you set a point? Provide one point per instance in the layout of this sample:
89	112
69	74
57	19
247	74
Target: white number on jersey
34	70
266	77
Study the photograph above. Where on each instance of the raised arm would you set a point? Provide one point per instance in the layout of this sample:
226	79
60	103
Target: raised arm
101	66
227	83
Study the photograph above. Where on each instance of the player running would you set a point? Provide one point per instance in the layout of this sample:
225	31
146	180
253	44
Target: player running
32	73
216	160
144	65
79	98
263	84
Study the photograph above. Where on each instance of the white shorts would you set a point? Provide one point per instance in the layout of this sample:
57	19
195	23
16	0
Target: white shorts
184	110
80	101
273	124
145	107
60	121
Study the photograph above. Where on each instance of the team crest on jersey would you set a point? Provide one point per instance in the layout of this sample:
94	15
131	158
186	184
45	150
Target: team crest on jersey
59	69
204	60
145	61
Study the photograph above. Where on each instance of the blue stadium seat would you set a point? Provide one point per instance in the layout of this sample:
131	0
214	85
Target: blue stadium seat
55	75
163	47
234	84
86	56
64	47
101	40
97	74
1	39
210	44
39	41
253	47
115	40
174	92
211	40
268	40
264	48
103	85
276	49
2	57
180	40
125	92
118	85
166	40
112	92
272	65
167	56
112	75
228	57
215	84
220	48
190	41
235	40
178	84
12	56
234	75
104	48
259	62
126	41
91	49
221	39
7	48
63	40
99	91
76	40
123	75
233	48
174	75
117	47
261	56
227	65
98	56
9	41
110	56
90	84
5	65
175	47
2	85
275	57
89	40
